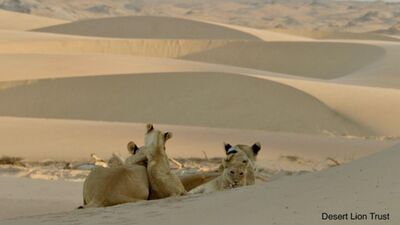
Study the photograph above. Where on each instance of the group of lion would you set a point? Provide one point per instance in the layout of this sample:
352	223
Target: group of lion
146	174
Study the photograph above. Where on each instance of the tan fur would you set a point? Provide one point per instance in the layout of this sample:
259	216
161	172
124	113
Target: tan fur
115	161
118	185
251	155
189	181
164	183
137	156
233	175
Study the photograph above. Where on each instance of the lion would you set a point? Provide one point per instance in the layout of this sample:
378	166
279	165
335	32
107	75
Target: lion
233	175
189	181
117	185
122	182
251	152
163	182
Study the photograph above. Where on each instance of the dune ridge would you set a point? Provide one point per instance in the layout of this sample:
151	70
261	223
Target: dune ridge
19	21
307	59
195	97
147	27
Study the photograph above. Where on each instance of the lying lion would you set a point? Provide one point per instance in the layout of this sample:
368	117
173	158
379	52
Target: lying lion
233	175
251	152
117	185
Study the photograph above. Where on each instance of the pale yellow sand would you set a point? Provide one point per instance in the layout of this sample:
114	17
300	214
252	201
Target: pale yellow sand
38	139
142	27
32	42
376	118
308	59
39	66
196	99
382	73
26	197
19	21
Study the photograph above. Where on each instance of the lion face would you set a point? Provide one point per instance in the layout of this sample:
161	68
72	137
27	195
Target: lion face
235	169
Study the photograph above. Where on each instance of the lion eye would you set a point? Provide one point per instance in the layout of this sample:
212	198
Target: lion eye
241	173
232	172
244	161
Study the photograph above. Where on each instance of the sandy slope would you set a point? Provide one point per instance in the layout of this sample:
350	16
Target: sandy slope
19	21
17	42
197	99
364	186
257	55
367	98
25	197
376	108
308	59
148	27
331	35
263	34
38	139
39	66
382	73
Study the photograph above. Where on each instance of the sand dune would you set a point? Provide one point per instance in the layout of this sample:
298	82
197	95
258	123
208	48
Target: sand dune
377	118
348	57
183	98
73	45
263	34
37	66
150	27
378	105
309	59
41	139
19	21
331	35
382	73
362	184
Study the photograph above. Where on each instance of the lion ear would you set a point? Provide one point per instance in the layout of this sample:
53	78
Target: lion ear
132	148
149	127
227	147
167	136
256	147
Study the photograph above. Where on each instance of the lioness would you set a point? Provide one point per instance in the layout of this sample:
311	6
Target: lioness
233	175
251	153
117	185
164	183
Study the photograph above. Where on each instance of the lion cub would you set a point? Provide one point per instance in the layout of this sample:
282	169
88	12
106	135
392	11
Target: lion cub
233	175
251	152
163	182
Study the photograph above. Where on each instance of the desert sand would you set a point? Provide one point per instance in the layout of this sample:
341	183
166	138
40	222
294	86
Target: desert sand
325	111
19	21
